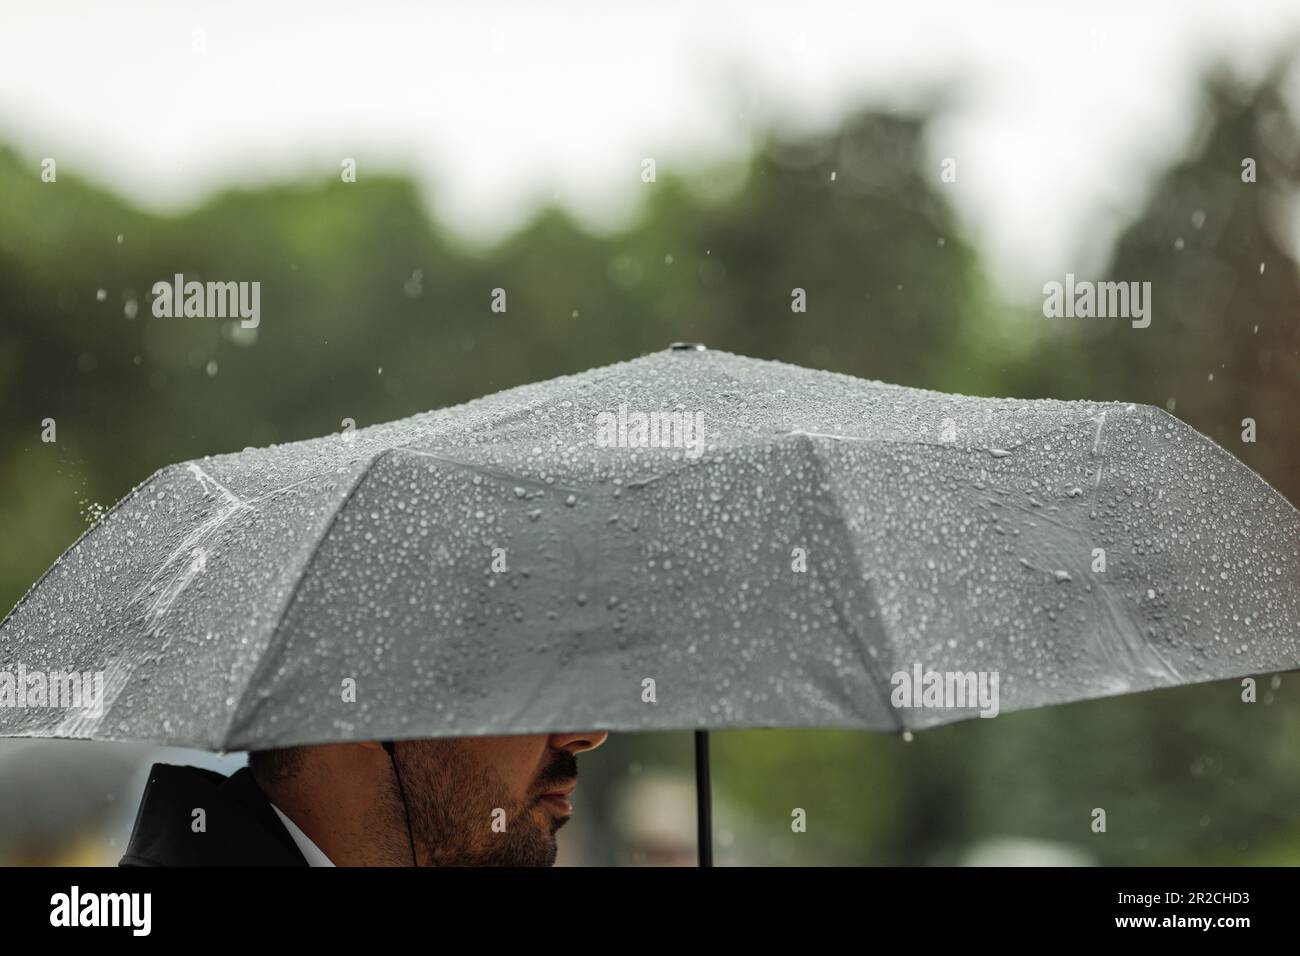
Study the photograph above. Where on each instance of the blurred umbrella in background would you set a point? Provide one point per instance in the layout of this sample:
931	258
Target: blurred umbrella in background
73	802
58	800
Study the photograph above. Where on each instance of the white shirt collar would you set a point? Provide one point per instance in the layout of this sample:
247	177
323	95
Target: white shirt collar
314	855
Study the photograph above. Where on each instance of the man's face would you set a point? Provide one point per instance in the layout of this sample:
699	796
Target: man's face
491	801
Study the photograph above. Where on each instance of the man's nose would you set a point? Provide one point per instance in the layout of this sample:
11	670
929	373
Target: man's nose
578	742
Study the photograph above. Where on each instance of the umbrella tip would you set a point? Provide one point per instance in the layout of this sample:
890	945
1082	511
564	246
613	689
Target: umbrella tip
686	347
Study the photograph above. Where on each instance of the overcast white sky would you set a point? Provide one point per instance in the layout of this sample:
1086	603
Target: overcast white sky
497	106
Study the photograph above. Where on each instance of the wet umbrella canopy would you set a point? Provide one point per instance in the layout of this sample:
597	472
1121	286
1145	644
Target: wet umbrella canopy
689	540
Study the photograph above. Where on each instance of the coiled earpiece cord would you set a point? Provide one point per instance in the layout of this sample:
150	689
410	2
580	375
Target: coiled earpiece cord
391	750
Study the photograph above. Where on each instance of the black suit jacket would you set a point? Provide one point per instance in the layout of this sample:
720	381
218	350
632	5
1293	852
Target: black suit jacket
240	826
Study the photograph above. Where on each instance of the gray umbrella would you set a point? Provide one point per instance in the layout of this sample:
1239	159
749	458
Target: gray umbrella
690	540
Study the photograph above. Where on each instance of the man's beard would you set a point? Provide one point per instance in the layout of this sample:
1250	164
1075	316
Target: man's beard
454	802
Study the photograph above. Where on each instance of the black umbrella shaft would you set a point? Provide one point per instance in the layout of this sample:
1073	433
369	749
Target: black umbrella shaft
702	799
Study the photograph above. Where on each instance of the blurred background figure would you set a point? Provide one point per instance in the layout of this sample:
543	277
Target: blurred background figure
656	820
1011	851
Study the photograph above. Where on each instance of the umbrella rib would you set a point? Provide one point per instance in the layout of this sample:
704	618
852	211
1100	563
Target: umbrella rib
951	445
869	665
482	469
263	660
81	537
